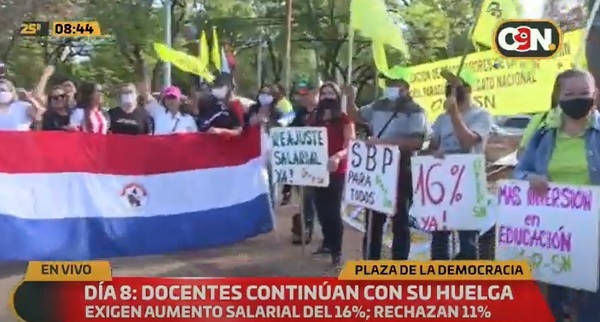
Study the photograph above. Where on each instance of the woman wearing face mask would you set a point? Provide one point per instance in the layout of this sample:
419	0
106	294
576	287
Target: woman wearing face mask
220	114
129	117
222	89
567	152
15	114
56	118
264	111
340	130
88	116
167	116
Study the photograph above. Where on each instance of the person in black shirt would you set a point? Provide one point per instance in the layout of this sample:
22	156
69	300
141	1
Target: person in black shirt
216	115
305	98
56	118
129	117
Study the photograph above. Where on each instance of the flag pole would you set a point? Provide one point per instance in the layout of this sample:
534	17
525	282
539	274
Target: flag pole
168	42
468	36
288	45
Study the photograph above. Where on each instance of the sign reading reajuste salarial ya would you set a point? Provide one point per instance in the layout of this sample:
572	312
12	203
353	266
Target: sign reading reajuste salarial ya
299	156
558	232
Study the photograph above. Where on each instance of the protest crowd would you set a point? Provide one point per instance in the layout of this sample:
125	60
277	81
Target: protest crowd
560	147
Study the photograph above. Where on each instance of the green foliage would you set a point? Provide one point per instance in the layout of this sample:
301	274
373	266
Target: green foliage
435	29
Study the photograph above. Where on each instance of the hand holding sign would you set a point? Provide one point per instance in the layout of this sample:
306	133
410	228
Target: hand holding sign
299	156
450	193
557	232
372	178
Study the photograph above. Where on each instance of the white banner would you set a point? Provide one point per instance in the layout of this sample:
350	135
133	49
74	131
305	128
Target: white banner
450	193
557	233
299	156
372	177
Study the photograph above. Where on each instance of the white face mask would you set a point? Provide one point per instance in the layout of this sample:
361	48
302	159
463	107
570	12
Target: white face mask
128	99
265	99
392	93
220	92
5	97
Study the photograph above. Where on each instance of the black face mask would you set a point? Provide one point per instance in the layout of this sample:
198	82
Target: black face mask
328	103
461	92
577	108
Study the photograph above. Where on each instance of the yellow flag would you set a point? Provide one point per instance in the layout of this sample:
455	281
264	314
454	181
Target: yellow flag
204	50
492	13
216	50
183	61
384	30
380	60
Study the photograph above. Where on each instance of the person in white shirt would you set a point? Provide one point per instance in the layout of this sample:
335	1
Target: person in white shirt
167	116
15	114
88	116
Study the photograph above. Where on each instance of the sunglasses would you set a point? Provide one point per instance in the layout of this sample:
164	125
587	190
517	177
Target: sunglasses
58	97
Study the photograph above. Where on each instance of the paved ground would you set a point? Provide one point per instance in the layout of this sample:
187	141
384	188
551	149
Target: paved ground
267	255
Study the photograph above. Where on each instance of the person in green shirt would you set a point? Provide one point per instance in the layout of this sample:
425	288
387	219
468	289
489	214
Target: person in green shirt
567	152
541	120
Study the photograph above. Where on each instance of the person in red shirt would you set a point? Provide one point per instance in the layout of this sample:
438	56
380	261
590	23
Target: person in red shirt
328	200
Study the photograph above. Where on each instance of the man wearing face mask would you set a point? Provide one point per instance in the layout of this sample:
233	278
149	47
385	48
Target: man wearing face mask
221	115
396	119
129	118
463	128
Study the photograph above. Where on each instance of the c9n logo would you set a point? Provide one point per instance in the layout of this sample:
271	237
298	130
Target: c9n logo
527	39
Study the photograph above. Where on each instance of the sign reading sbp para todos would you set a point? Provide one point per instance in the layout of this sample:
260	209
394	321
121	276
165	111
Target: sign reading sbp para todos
372	177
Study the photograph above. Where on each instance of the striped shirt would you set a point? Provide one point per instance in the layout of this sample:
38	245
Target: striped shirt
98	123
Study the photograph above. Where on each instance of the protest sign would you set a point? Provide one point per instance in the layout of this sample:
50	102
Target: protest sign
450	193
505	87
557	233
372	177
419	241
299	156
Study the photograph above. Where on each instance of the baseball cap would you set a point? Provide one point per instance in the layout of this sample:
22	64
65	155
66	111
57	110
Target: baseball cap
172	91
304	86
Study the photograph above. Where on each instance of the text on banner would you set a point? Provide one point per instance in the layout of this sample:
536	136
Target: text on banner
556	232
372	177
450	193
299	156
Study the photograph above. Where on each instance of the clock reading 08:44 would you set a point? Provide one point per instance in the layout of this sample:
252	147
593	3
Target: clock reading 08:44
75	29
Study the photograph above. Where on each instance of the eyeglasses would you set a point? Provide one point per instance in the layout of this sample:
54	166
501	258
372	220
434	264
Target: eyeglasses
58	97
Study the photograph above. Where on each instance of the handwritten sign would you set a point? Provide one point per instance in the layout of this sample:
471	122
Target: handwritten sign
372	177
450	193
557	233
299	156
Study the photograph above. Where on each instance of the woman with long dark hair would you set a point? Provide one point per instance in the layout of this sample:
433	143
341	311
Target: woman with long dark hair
88	116
328	200
264	111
